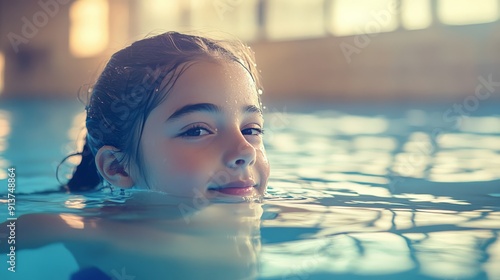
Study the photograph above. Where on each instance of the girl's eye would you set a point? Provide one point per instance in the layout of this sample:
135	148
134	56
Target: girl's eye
196	132
252	131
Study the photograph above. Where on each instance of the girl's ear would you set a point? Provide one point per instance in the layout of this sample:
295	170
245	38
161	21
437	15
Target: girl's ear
107	161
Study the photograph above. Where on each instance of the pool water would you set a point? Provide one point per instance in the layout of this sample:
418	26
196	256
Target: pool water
357	191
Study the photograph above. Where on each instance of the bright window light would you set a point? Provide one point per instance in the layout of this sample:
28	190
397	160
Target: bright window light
89	27
231	17
416	14
461	12
351	17
158	16
294	19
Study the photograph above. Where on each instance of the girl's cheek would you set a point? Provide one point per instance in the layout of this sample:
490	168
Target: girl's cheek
186	163
264	166
262	152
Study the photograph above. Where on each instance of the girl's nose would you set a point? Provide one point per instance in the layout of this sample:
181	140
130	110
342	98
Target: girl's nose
239	153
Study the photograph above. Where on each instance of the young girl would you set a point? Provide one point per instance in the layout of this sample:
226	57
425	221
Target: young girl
179	114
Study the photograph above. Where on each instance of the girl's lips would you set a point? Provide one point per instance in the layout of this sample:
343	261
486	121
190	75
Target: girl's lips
245	191
239	188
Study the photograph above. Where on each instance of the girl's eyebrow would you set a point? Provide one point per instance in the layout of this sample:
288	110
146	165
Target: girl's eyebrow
207	107
252	109
192	108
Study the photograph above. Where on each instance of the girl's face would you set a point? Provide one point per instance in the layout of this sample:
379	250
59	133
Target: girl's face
205	139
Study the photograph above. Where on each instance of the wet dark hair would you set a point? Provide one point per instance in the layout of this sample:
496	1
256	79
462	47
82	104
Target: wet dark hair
136	80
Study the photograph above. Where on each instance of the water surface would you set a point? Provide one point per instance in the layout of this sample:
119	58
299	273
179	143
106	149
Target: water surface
357	191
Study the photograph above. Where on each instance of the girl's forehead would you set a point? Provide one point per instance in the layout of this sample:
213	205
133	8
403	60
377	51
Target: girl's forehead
218	81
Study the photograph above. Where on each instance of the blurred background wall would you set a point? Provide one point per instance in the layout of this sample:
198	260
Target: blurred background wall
318	50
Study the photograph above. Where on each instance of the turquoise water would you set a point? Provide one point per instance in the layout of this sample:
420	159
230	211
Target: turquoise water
357	191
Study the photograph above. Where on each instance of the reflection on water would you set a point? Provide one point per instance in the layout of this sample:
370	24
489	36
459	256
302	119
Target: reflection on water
354	194
383	195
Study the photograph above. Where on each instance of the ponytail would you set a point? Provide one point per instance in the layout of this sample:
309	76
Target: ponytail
85	177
